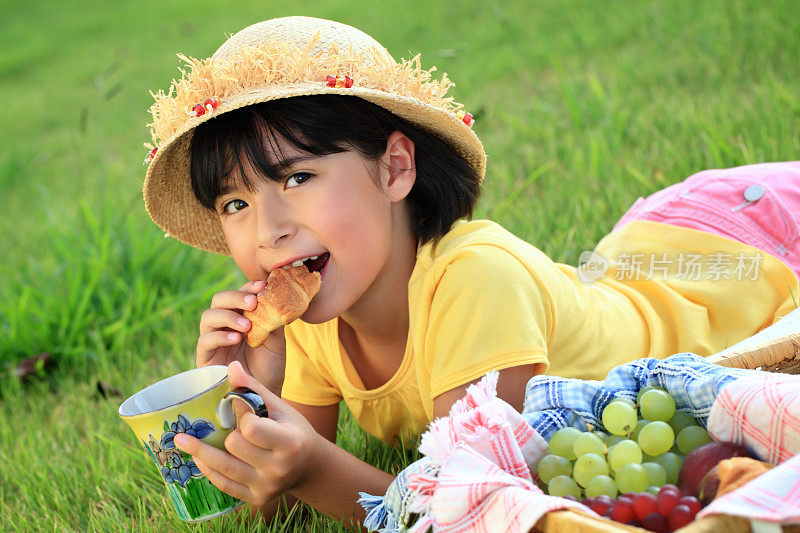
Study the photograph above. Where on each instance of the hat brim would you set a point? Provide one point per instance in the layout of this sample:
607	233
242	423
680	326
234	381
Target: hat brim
168	194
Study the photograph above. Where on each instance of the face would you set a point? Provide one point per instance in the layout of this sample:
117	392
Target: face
330	204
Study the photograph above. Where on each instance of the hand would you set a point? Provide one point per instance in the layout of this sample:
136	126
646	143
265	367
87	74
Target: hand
221	340
268	456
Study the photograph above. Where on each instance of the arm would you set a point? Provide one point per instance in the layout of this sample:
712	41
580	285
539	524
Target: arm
510	388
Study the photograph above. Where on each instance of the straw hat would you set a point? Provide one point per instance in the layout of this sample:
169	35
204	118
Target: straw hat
280	58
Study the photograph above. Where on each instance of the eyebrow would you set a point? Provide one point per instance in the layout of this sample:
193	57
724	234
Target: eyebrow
283	165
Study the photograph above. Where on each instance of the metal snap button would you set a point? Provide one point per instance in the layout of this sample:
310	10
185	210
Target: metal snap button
754	193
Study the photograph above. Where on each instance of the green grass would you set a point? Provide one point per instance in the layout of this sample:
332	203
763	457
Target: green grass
582	107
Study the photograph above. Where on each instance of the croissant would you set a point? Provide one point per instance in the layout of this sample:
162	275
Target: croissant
283	300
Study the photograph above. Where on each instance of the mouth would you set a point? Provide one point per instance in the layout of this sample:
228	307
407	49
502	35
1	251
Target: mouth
316	265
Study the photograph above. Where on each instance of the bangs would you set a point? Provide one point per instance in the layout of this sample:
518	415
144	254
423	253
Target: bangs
222	147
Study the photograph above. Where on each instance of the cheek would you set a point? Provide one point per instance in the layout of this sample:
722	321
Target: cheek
359	224
242	255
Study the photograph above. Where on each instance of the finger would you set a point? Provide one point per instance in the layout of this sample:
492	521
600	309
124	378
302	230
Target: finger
223	318
244	449
209	343
261	433
234	300
276	407
225	484
254	287
219	460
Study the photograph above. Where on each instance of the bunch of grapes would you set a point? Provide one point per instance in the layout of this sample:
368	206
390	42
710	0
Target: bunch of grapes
640	451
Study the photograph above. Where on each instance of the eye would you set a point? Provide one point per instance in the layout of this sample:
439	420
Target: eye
233	206
299	178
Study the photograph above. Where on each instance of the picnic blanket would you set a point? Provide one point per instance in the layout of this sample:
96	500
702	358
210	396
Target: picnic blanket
472	476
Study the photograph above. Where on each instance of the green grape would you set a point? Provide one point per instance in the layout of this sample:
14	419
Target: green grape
671	463
645	389
639	425
587	466
561	442
681	420
601	434
657	405
563	485
656	474
619	418
624	453
656	438
653	490
632	478
613	440
601	485
553	465
691	437
624	400
587	443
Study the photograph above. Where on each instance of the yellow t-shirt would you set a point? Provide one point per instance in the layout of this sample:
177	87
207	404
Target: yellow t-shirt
482	299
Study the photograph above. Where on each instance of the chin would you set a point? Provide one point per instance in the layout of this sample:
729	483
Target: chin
316	316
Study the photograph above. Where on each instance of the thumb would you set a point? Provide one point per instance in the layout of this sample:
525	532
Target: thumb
238	377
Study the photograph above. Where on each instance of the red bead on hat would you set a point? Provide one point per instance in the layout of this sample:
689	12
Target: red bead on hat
466	117
212	103
150	155
339	81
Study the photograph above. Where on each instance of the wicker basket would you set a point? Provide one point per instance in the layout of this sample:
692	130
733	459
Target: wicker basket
774	349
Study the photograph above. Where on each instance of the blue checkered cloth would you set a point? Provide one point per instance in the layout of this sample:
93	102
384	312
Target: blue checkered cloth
552	403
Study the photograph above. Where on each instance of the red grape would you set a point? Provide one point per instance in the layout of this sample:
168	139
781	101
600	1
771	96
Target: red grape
605	498
679	517
667	500
625	499
655	522
644	504
600	507
692	503
571	497
671	487
622	512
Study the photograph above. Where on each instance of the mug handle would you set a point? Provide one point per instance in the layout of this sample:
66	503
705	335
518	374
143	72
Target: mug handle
225	414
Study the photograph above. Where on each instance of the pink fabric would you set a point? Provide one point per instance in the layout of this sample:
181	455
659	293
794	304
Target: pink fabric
762	413
484	448
490	426
714	201
473	494
773	496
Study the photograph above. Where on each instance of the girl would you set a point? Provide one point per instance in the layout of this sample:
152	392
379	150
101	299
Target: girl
302	140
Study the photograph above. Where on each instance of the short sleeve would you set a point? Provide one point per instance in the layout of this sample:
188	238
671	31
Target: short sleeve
307	380
488	312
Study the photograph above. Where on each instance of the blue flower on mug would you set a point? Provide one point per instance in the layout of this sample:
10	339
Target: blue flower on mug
199	428
181	471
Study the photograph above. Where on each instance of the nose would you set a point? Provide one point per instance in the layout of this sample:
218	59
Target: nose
274	223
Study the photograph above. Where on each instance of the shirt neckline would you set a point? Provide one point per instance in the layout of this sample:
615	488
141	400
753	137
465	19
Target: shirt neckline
348	370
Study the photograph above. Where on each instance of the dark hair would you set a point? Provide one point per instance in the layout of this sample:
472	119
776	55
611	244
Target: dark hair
447	187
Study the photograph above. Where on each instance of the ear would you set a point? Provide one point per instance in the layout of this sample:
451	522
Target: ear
402	171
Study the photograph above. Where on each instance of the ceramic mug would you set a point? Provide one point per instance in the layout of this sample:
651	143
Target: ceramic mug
197	402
